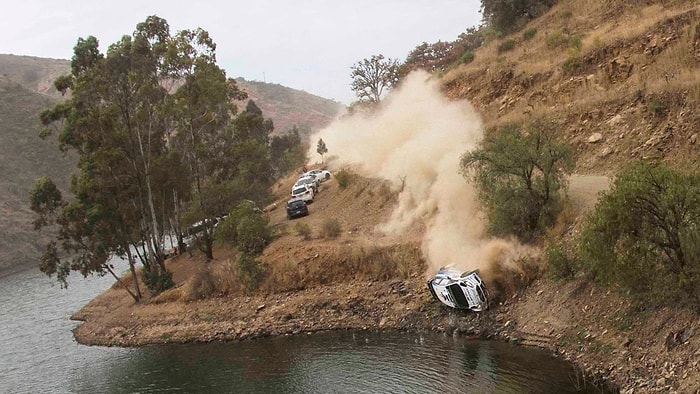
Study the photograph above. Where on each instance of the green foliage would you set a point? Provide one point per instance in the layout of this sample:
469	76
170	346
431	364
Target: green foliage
331	228
506	46
254	234
466	58
439	56
644	235
556	39
372	77
157	280
250	271
561	266
286	152
303	230
575	43
344	177
530	33
571	64
246	228
510	15
519	177
657	106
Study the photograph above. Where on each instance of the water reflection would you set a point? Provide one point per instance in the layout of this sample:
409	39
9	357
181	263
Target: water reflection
345	362
39	355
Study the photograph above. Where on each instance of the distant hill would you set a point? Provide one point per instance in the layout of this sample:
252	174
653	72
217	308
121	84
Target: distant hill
26	89
23	158
290	107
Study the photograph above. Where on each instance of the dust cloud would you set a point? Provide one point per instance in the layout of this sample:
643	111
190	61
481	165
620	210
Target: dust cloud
415	141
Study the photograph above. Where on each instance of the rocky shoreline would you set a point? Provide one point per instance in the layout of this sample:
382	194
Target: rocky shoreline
528	318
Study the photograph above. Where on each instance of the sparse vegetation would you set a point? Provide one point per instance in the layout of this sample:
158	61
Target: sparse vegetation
344	177
506	46
530	33
303	230
331	228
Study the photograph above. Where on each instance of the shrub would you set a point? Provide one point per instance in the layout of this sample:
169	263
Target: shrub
249	271
200	286
571	64
331	229
303	230
508	15
253	235
157	280
506	46
466	58
555	39
561	266
657	106
344	178
518	177
644	235
529	34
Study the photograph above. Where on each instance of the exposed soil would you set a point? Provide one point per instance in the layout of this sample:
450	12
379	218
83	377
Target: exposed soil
596	329
606	109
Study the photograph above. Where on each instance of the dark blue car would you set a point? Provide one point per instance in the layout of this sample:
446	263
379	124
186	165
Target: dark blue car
296	208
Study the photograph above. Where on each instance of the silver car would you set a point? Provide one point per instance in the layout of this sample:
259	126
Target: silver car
461	290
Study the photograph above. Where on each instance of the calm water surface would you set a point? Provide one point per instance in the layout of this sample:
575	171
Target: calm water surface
39	355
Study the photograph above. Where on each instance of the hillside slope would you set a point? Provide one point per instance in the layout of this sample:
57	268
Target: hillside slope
618	81
26	89
24	157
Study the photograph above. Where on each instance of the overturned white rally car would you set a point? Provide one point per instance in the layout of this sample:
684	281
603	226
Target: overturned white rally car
461	290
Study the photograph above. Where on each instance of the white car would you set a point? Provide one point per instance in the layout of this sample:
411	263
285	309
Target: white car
461	290
321	175
303	192
307	180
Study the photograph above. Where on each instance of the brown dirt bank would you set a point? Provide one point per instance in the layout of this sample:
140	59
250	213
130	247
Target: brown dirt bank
598	330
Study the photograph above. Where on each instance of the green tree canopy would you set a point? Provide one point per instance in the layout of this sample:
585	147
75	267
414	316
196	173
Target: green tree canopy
145	119
519	176
372	77
644	235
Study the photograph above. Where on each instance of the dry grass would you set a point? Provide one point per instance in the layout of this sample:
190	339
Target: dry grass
347	263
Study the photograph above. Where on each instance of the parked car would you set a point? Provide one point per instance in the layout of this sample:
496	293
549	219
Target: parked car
304	192
296	208
461	290
321	175
308	180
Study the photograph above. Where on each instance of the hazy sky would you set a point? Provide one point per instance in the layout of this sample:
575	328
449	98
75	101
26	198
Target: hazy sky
303	44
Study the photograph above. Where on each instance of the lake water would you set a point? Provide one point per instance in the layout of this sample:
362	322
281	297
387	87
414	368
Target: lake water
39	355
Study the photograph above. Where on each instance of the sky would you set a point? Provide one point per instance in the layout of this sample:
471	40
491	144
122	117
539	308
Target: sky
308	45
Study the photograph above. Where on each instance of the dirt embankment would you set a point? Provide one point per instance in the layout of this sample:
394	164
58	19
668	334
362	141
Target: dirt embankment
596	329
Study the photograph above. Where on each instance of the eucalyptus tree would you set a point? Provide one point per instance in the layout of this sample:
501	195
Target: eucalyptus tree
119	118
201	112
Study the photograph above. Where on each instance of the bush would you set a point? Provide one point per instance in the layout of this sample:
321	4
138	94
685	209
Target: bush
561	266
303	230
518	177
331	229
249	271
156	280
529	34
555	39
508	15
644	235
657	106
571	65
253	235
466	58
344	178
506	46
